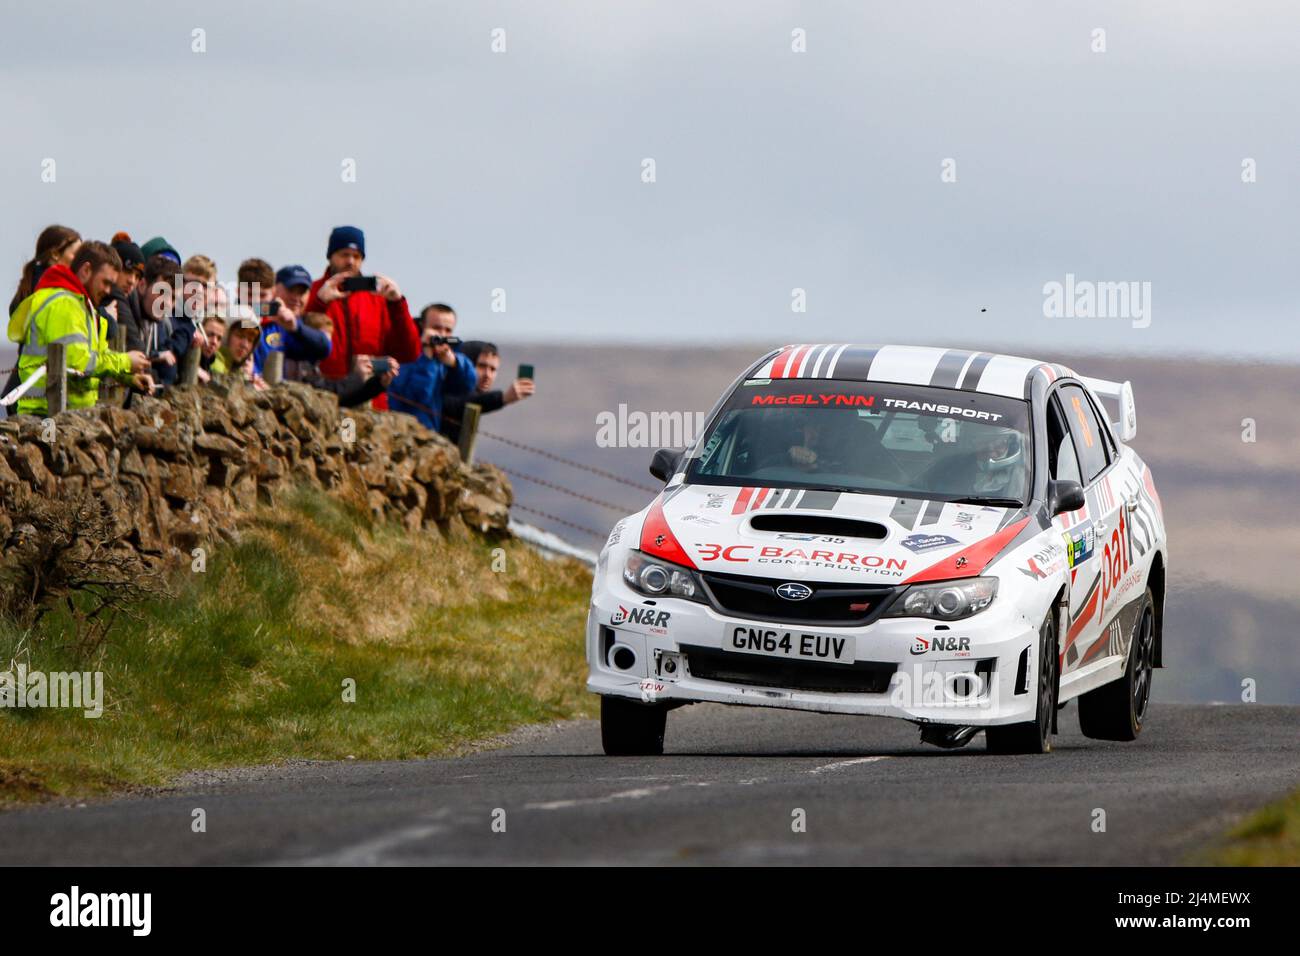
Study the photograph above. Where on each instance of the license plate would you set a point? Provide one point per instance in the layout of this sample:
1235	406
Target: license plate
792	643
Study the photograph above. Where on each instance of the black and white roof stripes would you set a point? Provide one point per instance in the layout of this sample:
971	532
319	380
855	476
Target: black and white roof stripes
970	371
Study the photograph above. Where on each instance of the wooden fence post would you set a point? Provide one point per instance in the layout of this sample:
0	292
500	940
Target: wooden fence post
190	365
469	432
273	368
56	379
110	390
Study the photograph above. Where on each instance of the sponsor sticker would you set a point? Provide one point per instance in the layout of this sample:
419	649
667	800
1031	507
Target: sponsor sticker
699	519
942	644
811	398
921	543
1080	542
651	618
812	558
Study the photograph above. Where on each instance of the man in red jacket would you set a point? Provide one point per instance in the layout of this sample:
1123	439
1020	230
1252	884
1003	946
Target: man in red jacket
365	323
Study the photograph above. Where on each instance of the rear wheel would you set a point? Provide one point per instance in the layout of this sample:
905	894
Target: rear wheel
1034	736
631	729
1115	711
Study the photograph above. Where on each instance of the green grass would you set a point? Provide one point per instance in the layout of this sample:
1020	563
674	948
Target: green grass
245	663
1269	837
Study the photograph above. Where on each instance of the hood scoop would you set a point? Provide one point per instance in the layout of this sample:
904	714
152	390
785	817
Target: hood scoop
813	524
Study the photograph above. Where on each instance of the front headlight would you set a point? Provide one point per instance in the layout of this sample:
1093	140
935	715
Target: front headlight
656	578
945	600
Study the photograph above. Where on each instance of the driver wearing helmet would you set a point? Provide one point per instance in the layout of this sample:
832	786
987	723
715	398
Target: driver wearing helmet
999	468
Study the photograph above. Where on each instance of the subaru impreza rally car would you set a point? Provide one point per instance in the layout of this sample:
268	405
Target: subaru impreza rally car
958	539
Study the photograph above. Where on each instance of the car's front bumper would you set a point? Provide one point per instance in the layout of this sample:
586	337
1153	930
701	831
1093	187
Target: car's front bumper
985	673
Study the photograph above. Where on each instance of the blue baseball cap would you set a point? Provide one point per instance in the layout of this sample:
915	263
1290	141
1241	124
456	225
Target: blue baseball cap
290	276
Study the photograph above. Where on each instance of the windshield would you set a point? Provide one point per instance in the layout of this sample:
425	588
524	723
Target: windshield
869	437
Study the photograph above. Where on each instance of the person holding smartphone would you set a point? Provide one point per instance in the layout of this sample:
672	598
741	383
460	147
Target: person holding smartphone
487	362
369	314
423	386
273	297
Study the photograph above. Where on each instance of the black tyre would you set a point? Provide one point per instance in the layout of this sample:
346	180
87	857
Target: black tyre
1034	736
632	729
1115	711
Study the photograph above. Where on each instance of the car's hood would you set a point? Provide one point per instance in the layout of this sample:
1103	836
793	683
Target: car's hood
898	538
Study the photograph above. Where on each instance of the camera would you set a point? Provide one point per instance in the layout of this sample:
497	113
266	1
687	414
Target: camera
360	284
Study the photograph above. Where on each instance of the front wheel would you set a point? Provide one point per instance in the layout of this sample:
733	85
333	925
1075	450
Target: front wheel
1034	736
1115	711
631	729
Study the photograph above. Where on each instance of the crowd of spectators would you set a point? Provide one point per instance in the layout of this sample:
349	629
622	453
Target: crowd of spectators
344	331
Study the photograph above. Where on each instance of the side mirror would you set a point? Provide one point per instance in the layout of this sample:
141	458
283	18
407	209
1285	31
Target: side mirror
664	464
1064	496
1128	417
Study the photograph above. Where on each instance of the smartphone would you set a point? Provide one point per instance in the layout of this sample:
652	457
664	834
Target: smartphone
525	371
380	366
268	308
360	284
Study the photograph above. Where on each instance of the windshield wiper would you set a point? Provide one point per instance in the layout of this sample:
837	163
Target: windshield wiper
991	502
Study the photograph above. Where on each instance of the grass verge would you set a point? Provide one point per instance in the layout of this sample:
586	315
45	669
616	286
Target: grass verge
1268	837
246	662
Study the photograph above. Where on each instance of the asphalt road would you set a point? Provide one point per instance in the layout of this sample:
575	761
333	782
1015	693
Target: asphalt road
726	792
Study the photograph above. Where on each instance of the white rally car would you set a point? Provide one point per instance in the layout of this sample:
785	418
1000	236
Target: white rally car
958	539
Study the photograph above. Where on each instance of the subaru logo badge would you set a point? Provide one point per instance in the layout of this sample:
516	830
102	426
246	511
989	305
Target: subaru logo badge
794	591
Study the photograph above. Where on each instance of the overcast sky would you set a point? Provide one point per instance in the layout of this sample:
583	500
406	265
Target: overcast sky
775	170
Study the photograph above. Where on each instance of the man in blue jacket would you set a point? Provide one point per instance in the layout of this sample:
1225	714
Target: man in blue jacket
283	329
440	372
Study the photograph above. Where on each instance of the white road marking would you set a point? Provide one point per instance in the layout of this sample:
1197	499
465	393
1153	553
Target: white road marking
372	852
841	764
638	794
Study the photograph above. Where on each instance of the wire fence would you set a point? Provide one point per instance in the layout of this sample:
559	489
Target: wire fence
553	486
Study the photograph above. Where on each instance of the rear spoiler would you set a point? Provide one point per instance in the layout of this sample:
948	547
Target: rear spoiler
1122	394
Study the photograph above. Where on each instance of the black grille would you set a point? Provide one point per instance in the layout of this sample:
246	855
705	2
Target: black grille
846	605
860	677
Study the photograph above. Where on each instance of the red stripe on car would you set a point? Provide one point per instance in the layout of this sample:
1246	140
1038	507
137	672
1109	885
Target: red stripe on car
742	500
1084	617
658	540
971	561
800	357
779	363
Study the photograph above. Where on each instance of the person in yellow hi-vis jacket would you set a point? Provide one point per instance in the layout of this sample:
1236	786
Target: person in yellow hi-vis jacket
62	309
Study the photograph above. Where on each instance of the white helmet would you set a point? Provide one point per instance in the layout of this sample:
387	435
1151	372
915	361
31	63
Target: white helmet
1000	452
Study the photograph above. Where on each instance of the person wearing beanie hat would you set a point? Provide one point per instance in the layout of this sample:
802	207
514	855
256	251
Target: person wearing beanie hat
132	256
346	237
158	246
364	322
117	307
